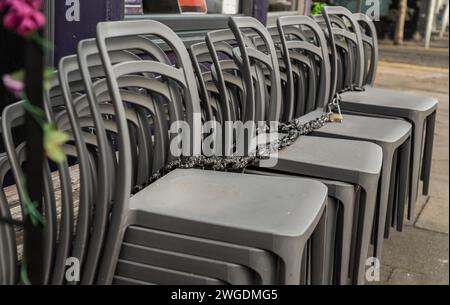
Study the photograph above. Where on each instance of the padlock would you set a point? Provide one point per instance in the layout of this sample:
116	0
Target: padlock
336	118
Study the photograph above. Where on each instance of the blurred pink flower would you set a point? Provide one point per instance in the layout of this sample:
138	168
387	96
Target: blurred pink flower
22	16
36	4
14	86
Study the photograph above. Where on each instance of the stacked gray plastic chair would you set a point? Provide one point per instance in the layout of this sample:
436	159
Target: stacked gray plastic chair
391	135
180	203
348	66
342	195
196	251
69	65
419	110
165	255
309	156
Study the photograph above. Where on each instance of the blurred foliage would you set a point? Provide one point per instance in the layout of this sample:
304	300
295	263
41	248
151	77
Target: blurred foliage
316	8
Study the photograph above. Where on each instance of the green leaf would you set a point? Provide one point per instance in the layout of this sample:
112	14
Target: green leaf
316	8
36	112
18	75
35	216
24	279
40	41
48	74
54	139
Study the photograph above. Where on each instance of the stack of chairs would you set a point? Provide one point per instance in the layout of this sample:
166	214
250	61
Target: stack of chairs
309	218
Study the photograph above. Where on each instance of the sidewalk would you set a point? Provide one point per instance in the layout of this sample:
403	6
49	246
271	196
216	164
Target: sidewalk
420	255
412	52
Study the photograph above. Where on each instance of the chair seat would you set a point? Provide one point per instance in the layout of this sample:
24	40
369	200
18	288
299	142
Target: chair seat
355	156
226	200
391	98
364	128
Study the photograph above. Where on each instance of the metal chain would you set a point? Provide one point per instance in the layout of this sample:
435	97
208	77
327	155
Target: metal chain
292	130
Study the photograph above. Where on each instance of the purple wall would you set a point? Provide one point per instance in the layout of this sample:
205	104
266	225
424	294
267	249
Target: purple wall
76	22
260	8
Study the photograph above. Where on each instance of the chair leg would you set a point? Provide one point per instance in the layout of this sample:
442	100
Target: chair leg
381	212
415	164
346	234
392	193
365	225
318	250
405	158
331	238
290	254
428	154
304	265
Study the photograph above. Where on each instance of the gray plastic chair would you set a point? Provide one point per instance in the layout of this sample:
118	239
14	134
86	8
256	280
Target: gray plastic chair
88	111
343	194
319	161
420	111
391	135
87	49
346	73
68	66
202	221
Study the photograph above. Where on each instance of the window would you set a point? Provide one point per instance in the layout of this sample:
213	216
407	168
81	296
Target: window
227	7
186	16
279	8
133	7
283	5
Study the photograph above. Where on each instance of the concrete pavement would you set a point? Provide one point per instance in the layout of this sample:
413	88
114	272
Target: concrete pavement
413	52
420	255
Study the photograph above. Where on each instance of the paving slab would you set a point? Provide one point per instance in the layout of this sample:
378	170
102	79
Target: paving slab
403	277
440	152
413	78
440	167
434	216
418	251
385	274
439	186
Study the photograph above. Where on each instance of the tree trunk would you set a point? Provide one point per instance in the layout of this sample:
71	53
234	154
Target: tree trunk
400	27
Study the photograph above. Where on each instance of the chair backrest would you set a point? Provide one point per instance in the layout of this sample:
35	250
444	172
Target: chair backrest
220	45
67	66
219	87
92	217
8	250
57	236
248	55
315	48
182	73
98	99
370	40
98	89
351	34
200	58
